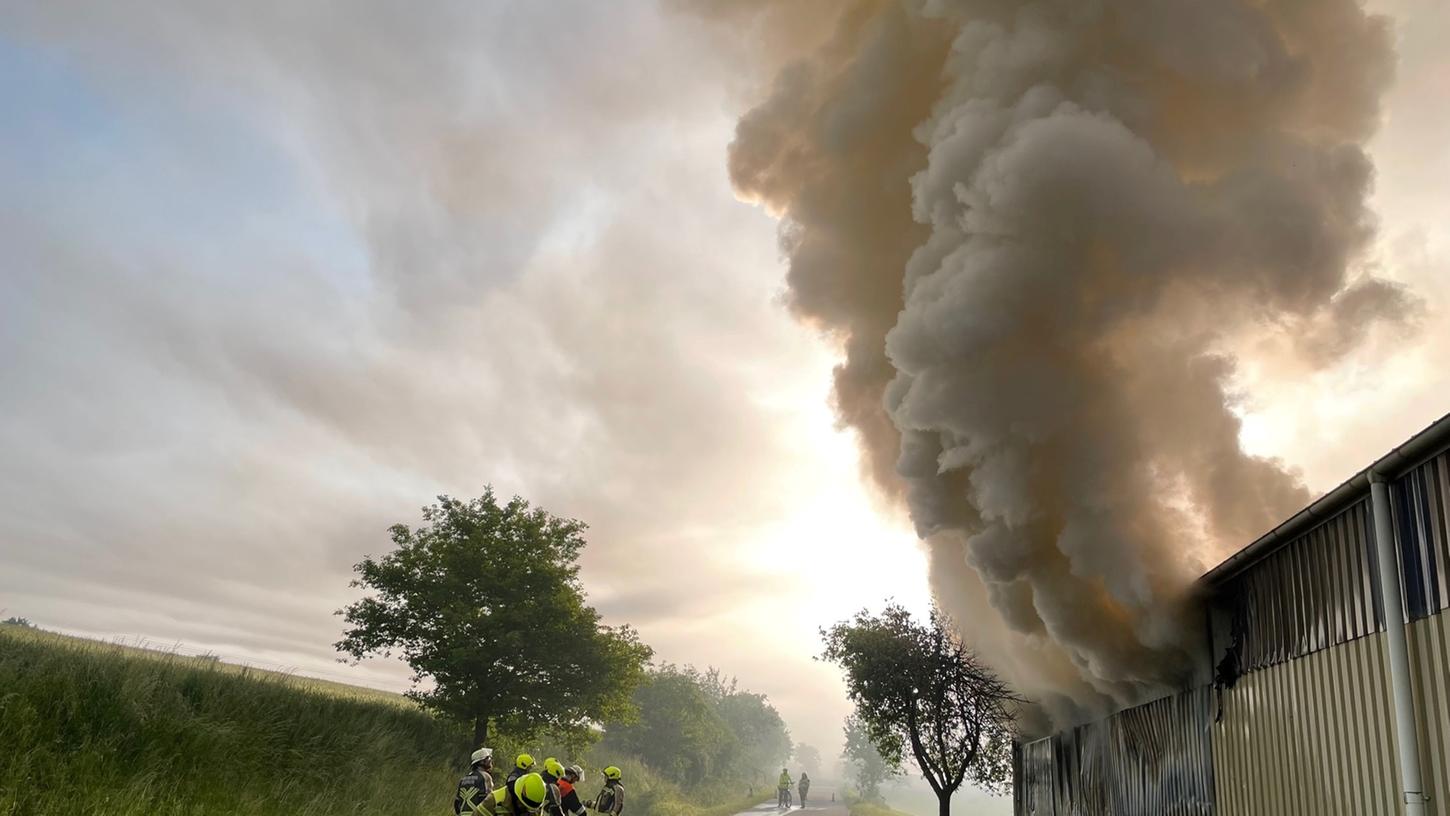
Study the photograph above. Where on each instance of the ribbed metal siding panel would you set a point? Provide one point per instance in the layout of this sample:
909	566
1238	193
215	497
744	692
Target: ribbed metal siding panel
1152	760
1035	796
1429	642
1420	501
1315	592
1311	736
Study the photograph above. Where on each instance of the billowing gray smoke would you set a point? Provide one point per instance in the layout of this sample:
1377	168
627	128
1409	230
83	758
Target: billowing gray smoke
1037	228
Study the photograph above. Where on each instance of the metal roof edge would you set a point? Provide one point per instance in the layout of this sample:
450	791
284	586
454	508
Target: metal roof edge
1423	445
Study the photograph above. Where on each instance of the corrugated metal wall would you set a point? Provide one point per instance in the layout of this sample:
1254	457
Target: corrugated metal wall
1429	642
1312	736
1315	592
1419	500
1034	798
1152	760
1307	724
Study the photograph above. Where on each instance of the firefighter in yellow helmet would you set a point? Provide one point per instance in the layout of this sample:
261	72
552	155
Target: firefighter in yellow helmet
553	774
525	797
523	764
610	800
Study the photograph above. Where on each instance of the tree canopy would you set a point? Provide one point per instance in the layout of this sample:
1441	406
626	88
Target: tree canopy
484	600
920	692
695	725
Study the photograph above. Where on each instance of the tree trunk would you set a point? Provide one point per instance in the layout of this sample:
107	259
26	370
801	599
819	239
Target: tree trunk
944	803
480	730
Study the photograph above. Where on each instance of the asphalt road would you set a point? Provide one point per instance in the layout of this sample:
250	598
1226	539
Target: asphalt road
820	804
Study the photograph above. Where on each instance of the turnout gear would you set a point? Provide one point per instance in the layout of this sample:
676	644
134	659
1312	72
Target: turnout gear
610	801
566	801
475	793
476	788
522	765
553	777
530	791
523	797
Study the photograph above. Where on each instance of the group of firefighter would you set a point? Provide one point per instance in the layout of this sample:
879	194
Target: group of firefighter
530	792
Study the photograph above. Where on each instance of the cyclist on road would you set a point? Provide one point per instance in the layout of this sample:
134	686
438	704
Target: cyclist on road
805	788
783	789
475	788
610	801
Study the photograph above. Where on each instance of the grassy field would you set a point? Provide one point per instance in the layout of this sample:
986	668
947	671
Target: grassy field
94	728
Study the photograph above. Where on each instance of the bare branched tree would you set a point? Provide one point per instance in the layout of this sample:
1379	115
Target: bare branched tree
920	692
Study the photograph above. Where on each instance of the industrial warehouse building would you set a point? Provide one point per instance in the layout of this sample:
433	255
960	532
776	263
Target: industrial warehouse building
1317	703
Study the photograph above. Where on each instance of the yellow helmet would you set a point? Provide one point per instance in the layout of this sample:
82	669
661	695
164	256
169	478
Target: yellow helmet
554	768
613	772
530	791
524	762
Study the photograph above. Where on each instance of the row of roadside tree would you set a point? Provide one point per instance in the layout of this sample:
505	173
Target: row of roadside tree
484	602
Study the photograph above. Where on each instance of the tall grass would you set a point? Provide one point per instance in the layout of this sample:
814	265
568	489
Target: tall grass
93	728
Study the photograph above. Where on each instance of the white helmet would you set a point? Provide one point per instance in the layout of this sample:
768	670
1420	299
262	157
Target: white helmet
574	773
481	754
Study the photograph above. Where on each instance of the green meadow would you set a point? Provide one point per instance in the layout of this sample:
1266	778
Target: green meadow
95	728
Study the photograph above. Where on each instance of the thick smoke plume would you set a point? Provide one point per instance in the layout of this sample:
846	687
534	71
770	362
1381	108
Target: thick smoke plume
1038	228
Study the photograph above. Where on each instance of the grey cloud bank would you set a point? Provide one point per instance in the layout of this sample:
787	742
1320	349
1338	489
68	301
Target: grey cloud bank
286	272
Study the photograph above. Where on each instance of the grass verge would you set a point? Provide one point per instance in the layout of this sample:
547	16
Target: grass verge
863	807
94	728
91	728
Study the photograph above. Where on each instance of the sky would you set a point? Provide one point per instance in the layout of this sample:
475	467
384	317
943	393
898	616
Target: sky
276	274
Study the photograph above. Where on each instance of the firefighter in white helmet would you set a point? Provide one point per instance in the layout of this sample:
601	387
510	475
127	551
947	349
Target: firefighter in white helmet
476	787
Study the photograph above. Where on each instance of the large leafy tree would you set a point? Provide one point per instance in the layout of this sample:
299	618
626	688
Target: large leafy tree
483	601
920	692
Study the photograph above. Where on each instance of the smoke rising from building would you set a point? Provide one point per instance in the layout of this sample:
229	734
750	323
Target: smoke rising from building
1038	230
